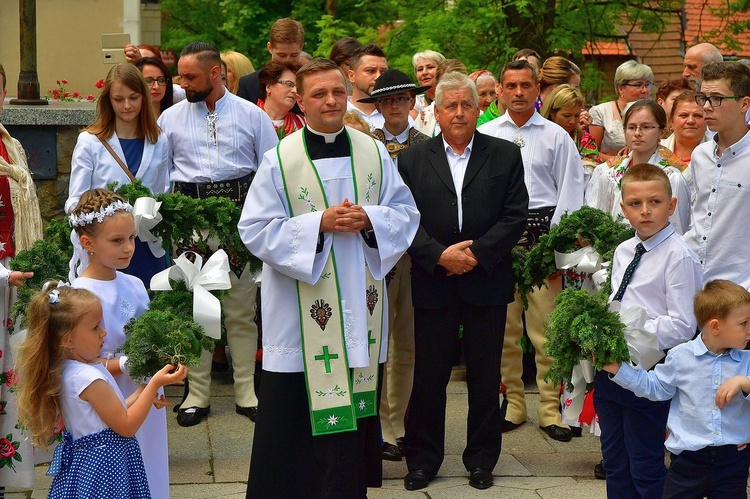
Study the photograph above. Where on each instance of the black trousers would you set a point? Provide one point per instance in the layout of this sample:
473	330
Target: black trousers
435	333
288	462
713	472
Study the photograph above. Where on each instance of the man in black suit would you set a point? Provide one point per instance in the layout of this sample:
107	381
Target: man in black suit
470	191
286	39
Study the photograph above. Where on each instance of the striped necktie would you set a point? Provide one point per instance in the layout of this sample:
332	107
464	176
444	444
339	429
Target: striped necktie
639	251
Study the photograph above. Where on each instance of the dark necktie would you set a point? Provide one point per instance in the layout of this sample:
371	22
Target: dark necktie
639	251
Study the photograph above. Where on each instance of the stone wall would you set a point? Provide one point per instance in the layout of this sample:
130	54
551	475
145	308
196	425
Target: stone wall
65	120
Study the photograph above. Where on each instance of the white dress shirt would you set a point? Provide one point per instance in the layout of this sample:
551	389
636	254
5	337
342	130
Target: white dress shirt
552	164
374	119
721	210
663	283
458	164
232	149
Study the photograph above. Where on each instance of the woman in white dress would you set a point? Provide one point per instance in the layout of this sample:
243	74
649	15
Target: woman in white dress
645	122
633	81
124	143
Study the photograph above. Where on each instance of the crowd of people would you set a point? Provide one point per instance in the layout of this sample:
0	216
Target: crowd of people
385	213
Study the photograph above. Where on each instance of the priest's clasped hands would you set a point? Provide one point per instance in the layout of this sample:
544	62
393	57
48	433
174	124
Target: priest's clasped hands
345	217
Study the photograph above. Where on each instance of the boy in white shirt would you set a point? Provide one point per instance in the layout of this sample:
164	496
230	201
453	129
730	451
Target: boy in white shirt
655	270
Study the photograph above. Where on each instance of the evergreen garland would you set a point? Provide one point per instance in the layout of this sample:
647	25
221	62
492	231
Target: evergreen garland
48	262
583	327
602	231
189	221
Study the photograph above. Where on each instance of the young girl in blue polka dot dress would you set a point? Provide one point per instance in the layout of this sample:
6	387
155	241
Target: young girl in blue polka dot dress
60	373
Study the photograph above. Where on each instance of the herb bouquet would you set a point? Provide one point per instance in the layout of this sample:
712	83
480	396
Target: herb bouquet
165	334
583	327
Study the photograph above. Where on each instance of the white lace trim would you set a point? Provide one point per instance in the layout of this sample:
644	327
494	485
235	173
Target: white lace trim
353	340
391	229
279	350
294	244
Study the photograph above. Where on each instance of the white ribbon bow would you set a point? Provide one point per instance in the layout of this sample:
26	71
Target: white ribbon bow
585	260
642	345
199	279
147	216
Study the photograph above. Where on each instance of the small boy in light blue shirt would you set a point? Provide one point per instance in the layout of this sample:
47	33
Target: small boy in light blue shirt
708	426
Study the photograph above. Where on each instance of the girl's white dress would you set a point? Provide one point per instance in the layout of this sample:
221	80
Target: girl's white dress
124	298
93	460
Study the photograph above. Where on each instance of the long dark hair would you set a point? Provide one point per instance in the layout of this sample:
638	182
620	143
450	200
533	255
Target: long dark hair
166	102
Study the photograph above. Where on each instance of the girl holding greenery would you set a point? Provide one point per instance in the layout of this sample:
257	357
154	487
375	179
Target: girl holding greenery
104	242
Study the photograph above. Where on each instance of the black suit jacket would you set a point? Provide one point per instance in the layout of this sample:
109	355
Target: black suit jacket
249	89
495	208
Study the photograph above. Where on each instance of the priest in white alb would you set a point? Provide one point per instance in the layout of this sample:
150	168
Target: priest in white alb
329	216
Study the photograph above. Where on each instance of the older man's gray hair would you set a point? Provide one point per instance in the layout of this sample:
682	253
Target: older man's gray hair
455	81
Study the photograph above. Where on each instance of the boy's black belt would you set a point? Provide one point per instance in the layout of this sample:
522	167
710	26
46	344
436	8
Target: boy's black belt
234	189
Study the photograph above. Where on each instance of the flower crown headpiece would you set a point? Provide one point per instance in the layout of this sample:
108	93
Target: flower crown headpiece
89	218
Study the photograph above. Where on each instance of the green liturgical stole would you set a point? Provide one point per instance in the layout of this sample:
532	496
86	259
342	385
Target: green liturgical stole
336	395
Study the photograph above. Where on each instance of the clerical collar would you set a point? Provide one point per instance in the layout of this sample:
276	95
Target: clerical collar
329	137
326	145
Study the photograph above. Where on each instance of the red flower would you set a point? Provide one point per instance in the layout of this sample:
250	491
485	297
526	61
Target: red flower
56	94
11	378
58	82
90	97
100	84
59	425
76	95
7	450
66	94
64	81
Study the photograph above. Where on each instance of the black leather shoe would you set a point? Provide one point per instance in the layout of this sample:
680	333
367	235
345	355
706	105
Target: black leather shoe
599	472
481	478
390	452
576	431
192	415
400	444
416	479
558	433
507	426
251	412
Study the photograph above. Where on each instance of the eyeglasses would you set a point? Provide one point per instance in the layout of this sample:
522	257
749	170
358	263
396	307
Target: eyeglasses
714	100
642	128
640	86
389	102
160	80
287	83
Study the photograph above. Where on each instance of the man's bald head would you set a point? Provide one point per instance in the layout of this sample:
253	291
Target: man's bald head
696	57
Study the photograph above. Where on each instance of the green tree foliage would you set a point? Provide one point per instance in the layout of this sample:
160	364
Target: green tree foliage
482	33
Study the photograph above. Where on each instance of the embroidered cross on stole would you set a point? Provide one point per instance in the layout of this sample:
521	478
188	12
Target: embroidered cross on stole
337	397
